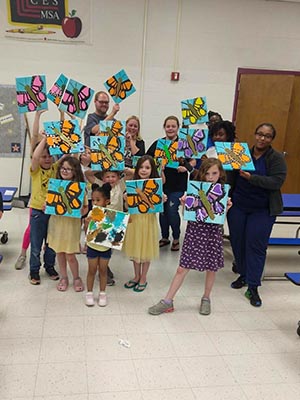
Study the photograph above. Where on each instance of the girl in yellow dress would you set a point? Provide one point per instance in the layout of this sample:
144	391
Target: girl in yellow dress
141	240
64	232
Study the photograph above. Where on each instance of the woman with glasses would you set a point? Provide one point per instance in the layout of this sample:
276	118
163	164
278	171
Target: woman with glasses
256	199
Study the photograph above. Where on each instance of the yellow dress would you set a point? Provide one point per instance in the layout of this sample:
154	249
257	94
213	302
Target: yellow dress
64	234
141	240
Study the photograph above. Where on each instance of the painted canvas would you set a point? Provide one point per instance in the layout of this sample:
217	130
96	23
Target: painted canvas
194	111
56	91
166	150
76	99
234	156
65	198
107	227
144	196
31	93
192	143
206	202
108	153
112	128
64	137
119	86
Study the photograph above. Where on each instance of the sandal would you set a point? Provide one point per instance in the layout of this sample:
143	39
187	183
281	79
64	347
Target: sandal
175	245
130	284
62	285
164	242
140	287
78	285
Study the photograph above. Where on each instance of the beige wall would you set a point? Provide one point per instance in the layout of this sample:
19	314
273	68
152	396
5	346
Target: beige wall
215	37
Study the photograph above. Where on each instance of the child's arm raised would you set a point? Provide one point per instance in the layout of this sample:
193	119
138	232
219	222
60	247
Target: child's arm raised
35	160
36	136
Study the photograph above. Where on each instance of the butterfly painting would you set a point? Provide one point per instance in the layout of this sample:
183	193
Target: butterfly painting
192	143
119	86
194	111
112	128
108	153
65	198
234	156
144	196
57	89
76	99
167	150
107	227
64	137
206	202
31	93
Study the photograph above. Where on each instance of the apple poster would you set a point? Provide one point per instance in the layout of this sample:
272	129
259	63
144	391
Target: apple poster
47	21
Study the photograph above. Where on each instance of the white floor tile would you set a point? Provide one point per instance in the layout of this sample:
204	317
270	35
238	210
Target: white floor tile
207	371
168	394
219	393
61	379
53	347
111	376
160	373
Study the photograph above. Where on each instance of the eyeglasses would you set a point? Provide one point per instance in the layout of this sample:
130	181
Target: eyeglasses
102	102
63	169
262	135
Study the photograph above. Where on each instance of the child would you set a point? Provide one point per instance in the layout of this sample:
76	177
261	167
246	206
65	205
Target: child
64	232
202	248
98	256
116	198
42	169
36	137
85	161
141	240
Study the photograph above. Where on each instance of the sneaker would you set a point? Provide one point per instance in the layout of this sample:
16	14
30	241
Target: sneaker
102	301
239	283
52	273
161	308
89	299
110	274
34	278
205	306
110	282
253	296
1	258
20	263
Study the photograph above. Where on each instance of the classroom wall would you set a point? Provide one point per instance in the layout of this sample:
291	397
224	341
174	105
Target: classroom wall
206	40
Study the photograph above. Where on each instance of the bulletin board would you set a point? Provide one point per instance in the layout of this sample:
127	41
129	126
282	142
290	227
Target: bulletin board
12	124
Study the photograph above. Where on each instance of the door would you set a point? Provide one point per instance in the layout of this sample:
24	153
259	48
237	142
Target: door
271	96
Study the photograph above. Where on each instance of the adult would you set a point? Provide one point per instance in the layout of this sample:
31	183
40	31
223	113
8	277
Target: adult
135	145
101	101
174	187
256	201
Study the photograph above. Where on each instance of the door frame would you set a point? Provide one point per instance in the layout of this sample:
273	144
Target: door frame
252	71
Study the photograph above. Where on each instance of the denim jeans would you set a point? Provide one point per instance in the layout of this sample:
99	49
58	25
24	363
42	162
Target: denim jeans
38	234
170	216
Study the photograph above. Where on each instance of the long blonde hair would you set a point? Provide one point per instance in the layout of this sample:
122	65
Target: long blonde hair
134	117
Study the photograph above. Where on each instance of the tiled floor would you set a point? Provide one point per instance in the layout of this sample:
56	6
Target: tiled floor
53	347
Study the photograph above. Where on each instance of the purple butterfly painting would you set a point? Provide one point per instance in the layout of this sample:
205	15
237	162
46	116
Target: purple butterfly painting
192	142
206	202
